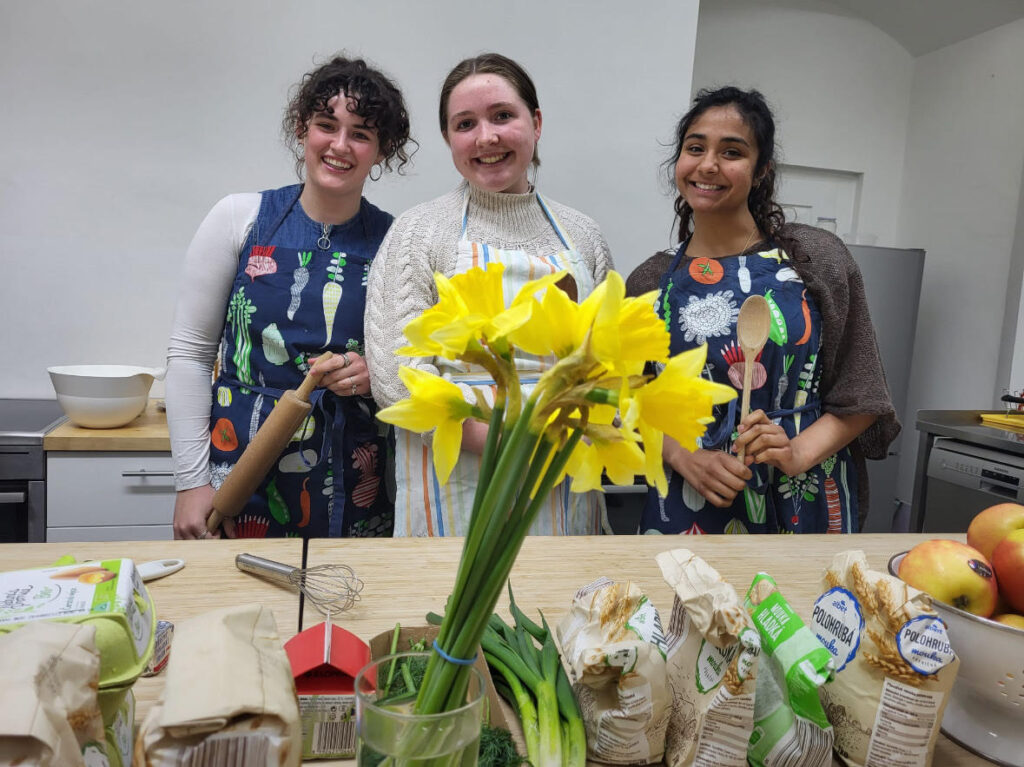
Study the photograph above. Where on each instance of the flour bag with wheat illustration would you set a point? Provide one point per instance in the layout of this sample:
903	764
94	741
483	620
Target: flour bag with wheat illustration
711	658
894	665
614	646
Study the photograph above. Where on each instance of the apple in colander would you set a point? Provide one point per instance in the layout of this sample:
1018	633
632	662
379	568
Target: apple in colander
953	573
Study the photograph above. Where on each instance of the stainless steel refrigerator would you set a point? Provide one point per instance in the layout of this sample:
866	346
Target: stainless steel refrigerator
892	281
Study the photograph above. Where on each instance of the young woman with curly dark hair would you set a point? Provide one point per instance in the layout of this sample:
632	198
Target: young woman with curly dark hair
272	280
820	402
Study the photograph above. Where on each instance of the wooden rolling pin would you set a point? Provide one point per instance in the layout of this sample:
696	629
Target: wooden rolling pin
266	447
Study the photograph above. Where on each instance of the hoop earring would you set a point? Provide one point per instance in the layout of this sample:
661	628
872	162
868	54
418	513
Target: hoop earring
380	171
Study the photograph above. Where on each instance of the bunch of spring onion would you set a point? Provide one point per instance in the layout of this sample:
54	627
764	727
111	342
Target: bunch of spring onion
592	411
532	680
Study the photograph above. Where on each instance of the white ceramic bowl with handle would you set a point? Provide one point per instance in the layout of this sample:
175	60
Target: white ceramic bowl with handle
985	713
103	396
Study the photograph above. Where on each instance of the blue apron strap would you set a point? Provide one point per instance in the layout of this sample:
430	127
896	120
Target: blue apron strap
555	224
255	233
465	214
812	405
722	430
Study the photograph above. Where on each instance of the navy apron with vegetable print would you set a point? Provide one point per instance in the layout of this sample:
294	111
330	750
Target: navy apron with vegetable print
700	300
296	294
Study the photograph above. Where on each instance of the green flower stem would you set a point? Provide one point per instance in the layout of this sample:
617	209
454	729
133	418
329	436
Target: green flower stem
469	608
487	533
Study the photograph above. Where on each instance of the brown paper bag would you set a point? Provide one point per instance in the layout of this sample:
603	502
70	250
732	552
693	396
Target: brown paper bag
49	713
612	643
895	667
229	698
711	660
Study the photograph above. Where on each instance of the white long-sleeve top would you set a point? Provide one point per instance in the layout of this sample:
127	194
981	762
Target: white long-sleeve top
211	263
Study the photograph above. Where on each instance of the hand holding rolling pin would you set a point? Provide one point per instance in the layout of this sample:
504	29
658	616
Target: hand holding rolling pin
266	447
344	374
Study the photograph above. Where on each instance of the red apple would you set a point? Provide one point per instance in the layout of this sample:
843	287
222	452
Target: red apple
1010	619
1008	561
990	526
954	573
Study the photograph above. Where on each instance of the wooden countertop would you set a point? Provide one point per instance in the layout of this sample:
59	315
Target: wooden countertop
147	433
406	577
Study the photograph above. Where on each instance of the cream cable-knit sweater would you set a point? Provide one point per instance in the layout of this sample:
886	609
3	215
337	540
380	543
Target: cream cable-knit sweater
425	239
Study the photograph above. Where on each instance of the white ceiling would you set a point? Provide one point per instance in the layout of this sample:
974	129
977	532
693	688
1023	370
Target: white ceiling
922	26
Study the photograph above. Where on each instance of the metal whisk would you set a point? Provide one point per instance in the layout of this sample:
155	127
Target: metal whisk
331	588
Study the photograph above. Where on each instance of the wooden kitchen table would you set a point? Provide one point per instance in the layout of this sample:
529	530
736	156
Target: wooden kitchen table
404	578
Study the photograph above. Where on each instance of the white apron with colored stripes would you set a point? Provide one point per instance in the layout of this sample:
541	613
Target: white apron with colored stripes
425	507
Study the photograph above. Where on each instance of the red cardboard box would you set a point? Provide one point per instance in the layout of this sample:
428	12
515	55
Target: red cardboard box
325	660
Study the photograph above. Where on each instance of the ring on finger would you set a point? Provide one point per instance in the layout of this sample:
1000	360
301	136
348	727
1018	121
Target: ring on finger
344	356
354	387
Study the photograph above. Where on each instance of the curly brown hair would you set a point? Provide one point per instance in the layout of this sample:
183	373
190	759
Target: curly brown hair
756	114
377	100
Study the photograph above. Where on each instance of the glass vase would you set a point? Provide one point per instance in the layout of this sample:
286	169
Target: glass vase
390	735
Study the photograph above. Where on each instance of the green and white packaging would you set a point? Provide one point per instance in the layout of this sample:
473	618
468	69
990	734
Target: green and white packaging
790	726
108	595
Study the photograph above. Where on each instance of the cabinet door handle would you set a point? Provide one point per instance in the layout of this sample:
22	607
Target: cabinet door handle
144	473
12	497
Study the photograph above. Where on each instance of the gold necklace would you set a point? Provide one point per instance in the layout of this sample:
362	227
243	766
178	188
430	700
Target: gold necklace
742	250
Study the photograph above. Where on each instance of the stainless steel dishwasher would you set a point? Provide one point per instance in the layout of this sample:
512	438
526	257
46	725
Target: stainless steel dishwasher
963	479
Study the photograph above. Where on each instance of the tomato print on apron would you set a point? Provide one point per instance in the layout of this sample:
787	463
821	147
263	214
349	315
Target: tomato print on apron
425	507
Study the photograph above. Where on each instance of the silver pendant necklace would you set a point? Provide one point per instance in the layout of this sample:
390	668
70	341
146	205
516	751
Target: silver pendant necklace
324	243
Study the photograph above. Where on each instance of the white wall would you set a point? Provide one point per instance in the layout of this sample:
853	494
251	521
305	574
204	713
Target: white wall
839	88
124	122
960	202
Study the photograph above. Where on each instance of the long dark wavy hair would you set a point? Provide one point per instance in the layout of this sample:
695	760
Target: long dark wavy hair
377	100
756	114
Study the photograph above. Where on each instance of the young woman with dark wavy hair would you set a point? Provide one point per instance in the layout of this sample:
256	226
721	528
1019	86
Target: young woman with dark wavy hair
819	403
274	279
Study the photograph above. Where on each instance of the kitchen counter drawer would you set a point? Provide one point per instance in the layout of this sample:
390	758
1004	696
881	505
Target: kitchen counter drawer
104	489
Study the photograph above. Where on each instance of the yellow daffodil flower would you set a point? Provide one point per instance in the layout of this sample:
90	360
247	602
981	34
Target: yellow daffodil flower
605	450
433	403
627	332
471	307
678	403
420	332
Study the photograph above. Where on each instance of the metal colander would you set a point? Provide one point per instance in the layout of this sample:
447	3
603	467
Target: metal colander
985	713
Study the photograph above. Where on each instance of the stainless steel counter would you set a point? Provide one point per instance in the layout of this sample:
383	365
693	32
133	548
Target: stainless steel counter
955	445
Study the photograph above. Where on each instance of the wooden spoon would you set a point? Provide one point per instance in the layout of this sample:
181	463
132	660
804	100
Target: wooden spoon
752	328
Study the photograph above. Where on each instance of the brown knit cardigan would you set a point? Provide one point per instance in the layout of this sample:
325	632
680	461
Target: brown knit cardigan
852	378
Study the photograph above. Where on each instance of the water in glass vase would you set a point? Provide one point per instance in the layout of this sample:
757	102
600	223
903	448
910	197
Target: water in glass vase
390	735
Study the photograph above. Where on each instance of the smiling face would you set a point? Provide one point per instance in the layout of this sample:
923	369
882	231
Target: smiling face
492	133
339	151
715	169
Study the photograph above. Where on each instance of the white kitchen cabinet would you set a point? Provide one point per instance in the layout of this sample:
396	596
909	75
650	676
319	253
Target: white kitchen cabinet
112	496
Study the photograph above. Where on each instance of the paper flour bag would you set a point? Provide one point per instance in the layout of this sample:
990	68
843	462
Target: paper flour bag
894	665
612	643
49	713
712	653
229	697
